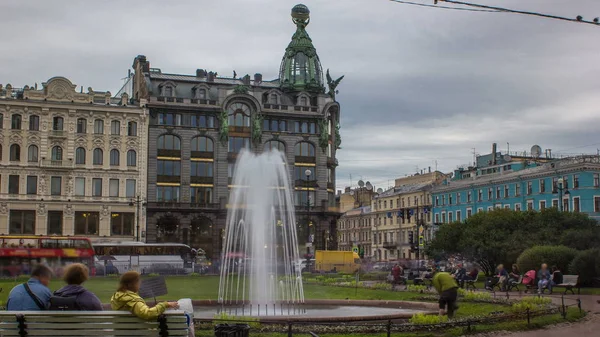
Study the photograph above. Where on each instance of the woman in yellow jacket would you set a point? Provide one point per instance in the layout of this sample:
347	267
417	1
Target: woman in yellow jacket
127	298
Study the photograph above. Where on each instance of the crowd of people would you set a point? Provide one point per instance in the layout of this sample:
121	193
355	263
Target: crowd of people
35	295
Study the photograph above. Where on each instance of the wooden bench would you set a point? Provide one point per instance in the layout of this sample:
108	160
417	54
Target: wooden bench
471	283
90	323
569	282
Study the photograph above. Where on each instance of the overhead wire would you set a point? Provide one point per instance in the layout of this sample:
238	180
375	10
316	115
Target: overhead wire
442	7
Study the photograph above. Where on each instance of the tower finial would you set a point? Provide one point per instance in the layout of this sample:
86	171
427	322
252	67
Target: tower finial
300	15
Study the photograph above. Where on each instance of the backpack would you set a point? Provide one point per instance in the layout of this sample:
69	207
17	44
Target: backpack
62	303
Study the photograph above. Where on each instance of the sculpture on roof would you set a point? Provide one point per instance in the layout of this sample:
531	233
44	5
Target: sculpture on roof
332	85
323	135
223	127
257	122
338	138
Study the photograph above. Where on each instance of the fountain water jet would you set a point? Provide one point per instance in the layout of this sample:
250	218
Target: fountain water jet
261	243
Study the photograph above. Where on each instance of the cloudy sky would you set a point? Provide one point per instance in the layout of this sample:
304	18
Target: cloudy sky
423	86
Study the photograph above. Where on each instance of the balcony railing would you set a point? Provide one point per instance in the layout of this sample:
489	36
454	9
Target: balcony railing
66	164
58	134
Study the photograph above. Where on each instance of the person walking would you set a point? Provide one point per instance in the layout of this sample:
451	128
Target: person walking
447	287
127	298
73	296
34	294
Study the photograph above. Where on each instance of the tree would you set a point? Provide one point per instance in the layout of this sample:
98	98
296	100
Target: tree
501	235
559	256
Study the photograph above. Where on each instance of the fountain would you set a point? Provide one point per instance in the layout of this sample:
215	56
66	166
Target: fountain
258	272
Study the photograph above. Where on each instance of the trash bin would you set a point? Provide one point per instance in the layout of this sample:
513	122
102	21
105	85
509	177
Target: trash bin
232	330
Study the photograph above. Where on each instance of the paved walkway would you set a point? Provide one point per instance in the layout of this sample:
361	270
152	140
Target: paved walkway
589	327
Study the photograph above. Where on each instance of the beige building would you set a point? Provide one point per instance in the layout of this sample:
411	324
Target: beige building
72	163
354	230
356	197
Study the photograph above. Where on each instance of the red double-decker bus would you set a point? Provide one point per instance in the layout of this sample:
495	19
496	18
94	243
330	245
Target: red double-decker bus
19	253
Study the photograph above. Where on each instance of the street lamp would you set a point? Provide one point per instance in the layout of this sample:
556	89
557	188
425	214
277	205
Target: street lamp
560	189
139	203
308	172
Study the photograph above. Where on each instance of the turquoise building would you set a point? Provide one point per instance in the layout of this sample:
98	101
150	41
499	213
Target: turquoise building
519	183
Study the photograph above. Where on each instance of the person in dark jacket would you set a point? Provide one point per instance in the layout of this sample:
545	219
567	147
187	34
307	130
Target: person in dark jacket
74	276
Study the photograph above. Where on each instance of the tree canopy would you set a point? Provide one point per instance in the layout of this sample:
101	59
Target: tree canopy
501	235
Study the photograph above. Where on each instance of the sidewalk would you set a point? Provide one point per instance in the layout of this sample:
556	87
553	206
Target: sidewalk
589	327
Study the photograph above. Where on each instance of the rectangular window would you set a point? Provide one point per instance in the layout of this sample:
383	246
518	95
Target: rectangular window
86	223
542	205
529	187
96	187
596	204
575	180
437	218
506	195
469	213
517	189
566	205
596	179
201	195
201	169
130	188
517	207
555	203
80	187
565	182
449	199
13	184
555	185
458	216
167	193
443	217
115	128
81	125
542	185
168	168
437	201
34	123
469	196
122	223
300	199
498	193
480	195
55	222
56	185
490	191
22	222
32	184
113	187
236	144
576	206
529	205
98	126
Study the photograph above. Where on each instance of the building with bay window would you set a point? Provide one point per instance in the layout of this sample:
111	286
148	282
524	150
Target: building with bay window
199	123
70	162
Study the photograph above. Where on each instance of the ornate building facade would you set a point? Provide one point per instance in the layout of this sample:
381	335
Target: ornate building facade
71	163
199	123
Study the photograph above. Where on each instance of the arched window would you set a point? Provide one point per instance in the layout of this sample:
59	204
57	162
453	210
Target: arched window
132	129
169	142
275	145
303	101
15	122
131	158
114	157
57	153
80	156
15	152
202	144
99	126
98	157
57	123
304	149
239	115
115	128
32	153
81	125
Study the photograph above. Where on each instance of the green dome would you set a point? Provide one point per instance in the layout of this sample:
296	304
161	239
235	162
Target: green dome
300	68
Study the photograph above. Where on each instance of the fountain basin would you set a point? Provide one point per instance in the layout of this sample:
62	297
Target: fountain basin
319	310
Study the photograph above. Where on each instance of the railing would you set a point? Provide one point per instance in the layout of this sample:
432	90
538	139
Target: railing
58	134
181	100
57	163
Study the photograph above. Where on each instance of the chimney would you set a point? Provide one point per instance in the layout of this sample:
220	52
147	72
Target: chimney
200	73
211	77
429	169
257	78
494	148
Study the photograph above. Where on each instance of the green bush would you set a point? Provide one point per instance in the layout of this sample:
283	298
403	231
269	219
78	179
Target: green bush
382	286
422	319
153	274
587	265
416	288
533	258
532	303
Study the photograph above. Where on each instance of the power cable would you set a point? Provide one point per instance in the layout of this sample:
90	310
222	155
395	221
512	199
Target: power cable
578	19
443	7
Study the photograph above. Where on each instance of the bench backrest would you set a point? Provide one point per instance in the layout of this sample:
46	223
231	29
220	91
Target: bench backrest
570	279
90	323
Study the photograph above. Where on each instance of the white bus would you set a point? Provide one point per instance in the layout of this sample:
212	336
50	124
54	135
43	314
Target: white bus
146	258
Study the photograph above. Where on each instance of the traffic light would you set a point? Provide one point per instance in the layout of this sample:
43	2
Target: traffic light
421	241
361	253
411	238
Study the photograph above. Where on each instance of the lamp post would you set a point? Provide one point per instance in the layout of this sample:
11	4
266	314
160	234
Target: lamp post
139	203
308	172
560	189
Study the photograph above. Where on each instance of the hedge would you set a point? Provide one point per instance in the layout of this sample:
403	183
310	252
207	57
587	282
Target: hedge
587	265
532	258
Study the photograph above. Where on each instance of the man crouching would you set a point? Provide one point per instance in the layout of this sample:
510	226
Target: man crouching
447	287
